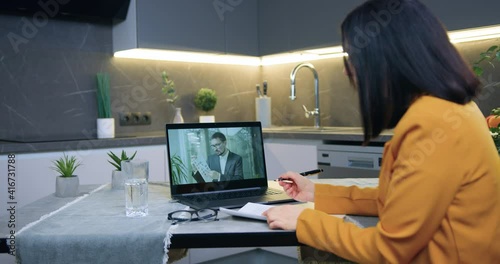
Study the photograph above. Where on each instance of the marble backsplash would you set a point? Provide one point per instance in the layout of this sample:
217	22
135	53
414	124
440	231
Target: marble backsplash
48	85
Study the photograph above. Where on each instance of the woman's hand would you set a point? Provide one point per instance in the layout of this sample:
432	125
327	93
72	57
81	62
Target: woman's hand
283	217
299	188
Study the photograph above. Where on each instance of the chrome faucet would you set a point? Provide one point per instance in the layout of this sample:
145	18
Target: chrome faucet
308	113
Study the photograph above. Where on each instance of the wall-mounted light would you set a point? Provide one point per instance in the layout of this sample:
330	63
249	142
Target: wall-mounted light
458	36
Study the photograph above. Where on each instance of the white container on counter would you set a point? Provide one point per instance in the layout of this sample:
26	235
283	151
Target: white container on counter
263	111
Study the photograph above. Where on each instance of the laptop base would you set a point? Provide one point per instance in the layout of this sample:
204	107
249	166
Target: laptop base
200	202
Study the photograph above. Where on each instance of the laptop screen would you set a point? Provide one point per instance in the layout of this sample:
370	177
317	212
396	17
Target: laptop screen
206	157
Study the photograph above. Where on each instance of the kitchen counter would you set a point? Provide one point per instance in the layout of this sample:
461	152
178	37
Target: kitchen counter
329	135
341	135
48	146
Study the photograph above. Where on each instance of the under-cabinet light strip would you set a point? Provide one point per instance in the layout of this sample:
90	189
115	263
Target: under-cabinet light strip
184	56
459	36
468	35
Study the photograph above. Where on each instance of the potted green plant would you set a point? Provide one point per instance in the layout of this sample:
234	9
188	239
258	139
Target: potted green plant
105	123
168	88
117	178
491	55
205	100
67	182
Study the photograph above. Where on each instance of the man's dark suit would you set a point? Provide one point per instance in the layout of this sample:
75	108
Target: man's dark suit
234	166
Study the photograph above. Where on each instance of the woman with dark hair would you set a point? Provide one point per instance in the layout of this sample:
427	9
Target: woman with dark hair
438	198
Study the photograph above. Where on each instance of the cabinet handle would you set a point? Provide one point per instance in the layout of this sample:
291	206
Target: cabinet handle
360	162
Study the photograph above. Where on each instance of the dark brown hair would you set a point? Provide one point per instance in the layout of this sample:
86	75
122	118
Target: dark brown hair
398	51
219	135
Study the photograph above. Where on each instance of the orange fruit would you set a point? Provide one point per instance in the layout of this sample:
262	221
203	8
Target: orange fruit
493	120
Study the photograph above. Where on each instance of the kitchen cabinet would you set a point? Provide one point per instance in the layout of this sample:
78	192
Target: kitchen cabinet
263	27
462	14
35	178
241	24
337	160
220	26
345	161
284	155
179	25
287	25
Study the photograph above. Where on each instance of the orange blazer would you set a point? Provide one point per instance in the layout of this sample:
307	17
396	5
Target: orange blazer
438	198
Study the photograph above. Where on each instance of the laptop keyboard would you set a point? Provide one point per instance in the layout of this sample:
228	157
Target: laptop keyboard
234	195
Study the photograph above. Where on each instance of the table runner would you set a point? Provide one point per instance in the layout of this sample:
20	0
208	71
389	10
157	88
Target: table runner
94	229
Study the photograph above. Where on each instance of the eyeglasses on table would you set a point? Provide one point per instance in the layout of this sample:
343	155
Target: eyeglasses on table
182	216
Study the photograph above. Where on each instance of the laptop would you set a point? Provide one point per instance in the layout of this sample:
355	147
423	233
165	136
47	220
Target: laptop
220	164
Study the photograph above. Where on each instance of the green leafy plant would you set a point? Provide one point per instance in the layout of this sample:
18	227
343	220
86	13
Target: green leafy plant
116	160
103	98
178	169
168	88
489	56
66	165
205	99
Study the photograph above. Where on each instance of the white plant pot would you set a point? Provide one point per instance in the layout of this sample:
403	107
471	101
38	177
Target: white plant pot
117	180
178	116
207	119
67	186
105	128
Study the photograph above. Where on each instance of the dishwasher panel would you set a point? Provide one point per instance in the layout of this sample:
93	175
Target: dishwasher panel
341	161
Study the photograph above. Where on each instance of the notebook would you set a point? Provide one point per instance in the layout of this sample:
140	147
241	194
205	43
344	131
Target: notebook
220	164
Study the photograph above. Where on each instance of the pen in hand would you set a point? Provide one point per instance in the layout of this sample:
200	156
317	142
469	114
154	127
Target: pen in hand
305	173
311	172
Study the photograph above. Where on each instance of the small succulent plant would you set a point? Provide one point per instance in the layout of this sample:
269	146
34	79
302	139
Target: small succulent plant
66	165
116	160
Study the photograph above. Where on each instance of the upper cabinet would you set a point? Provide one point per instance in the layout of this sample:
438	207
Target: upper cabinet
179	25
263	27
462	14
241	26
221	26
287	25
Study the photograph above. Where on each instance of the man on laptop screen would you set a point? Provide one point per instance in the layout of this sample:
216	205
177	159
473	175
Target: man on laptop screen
224	164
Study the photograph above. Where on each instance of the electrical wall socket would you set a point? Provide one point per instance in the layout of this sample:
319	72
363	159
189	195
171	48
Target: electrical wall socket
135	119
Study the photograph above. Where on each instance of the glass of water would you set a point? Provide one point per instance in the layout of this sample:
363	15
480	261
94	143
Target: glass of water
136	174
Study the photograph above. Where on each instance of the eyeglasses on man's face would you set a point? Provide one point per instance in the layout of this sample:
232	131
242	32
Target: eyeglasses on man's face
216	145
181	216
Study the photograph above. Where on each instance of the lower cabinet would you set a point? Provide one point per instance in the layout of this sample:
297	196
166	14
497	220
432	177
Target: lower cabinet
341	161
336	160
284	155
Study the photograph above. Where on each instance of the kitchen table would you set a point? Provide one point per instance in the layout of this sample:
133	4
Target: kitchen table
93	228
